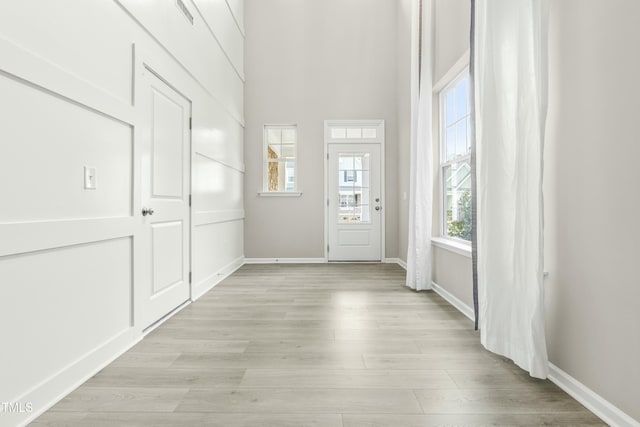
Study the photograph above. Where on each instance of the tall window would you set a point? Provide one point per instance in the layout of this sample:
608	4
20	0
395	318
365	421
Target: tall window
280	149
455	158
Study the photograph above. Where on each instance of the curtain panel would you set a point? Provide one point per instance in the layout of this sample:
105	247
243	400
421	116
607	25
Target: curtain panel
510	97
421	168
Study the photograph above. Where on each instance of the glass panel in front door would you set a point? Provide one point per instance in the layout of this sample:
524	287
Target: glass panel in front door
353	188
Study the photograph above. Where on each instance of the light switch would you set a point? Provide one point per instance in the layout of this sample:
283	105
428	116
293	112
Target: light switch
89	178
404	195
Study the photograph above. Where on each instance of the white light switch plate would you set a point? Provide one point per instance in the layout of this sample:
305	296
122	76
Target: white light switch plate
89	178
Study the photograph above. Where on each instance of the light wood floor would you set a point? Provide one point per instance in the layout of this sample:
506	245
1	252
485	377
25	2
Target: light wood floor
315	345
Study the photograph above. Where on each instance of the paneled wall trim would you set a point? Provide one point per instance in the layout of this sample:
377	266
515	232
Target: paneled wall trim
67	252
215	14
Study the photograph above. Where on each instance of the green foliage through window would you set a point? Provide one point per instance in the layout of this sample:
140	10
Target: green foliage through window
460	228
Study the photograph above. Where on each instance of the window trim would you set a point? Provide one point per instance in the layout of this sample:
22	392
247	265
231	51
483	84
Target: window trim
453	244
265	163
456	242
279	193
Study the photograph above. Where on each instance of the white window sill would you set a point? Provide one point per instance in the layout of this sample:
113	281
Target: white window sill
461	248
279	193
455	246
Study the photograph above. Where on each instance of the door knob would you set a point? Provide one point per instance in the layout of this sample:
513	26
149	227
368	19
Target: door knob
378	208
147	211
377	199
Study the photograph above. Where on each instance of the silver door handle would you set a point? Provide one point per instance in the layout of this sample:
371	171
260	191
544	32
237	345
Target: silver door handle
378	208
147	211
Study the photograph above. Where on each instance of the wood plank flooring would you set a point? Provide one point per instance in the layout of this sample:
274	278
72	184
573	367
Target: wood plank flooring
344	345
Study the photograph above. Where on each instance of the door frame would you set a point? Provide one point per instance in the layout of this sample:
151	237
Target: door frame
142	64
379	139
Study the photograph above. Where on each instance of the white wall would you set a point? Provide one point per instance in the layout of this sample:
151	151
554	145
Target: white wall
66	254
403	106
592	236
308	61
452	25
452	20
591	232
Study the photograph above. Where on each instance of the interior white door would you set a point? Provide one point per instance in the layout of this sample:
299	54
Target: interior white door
355	202
165	187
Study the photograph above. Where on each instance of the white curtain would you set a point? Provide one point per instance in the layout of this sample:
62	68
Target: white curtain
421	169
510	101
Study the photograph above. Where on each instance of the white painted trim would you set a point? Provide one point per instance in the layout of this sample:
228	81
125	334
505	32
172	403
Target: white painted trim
574	388
285	260
79	372
58	386
166	317
451	74
381	140
82	370
209	282
22	237
216	217
383	191
591	400
223	48
279	193
325	194
377	123
240	167
452	245
239	24
455	76
180	67
398	261
450	298
454	301
20	63
265	162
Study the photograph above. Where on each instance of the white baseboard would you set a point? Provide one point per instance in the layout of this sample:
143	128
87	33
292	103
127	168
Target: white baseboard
285	260
454	301
574	388
398	261
166	317
59	385
450	298
209	282
79	372
591	400
55	388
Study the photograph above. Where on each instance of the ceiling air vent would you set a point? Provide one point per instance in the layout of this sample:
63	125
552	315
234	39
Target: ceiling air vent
185	11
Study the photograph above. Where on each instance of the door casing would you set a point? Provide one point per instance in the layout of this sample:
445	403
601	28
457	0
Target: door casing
142	71
379	139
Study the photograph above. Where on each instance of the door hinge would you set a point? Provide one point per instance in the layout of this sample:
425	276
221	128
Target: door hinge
189	277
327	248
327	156
189	199
327	202
190	123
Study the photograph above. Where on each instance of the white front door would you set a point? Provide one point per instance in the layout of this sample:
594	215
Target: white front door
165	140
355	202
